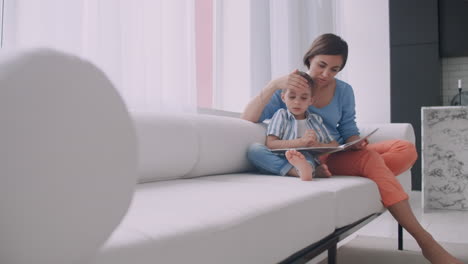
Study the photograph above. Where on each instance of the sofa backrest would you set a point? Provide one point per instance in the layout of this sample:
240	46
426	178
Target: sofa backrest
192	145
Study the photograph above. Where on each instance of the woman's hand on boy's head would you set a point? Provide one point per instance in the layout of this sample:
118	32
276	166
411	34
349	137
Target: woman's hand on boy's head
291	80
297	80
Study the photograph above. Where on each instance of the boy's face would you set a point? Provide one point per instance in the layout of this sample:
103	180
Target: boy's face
297	100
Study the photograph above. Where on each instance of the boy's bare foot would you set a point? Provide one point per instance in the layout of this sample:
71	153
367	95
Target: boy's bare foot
435	253
322	171
303	167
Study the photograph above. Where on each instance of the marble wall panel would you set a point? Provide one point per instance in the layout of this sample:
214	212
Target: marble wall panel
445	157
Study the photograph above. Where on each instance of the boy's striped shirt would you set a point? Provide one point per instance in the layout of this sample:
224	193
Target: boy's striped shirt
283	124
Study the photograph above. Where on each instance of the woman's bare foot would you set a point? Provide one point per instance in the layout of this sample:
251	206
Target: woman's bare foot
434	252
303	167
322	171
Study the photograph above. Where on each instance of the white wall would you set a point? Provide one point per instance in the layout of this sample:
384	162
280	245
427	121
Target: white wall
364	24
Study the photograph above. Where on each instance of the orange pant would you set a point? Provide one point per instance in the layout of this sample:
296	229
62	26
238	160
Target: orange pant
380	162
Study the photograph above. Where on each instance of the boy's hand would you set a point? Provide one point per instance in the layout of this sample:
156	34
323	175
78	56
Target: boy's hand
310	138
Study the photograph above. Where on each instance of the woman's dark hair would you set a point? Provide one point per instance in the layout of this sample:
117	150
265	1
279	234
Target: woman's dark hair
327	44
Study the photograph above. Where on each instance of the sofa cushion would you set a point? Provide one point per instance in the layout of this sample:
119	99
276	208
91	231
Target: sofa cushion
388	131
354	197
220	220
192	145
168	146
223	144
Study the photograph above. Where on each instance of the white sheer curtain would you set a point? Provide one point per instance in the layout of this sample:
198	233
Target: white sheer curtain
146	47
293	26
268	43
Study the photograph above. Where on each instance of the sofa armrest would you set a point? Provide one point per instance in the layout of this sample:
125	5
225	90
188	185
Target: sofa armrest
388	131
68	157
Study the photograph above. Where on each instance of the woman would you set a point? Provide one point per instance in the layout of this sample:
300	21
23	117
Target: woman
379	162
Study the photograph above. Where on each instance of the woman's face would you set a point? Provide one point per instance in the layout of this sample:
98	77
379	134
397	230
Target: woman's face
323	68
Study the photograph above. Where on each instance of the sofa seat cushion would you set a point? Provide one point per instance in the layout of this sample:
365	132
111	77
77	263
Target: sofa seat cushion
354	197
211	220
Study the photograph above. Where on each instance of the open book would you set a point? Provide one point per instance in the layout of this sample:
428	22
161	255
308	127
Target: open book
327	150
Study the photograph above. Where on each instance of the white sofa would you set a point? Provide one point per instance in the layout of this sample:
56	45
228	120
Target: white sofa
197	200
195	197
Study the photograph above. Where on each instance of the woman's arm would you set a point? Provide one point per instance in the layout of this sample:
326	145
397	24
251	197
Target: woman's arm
255	107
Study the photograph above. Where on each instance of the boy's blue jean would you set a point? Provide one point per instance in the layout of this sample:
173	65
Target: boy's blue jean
268	162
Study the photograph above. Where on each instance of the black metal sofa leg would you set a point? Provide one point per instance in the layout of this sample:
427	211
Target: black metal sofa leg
400	237
332	254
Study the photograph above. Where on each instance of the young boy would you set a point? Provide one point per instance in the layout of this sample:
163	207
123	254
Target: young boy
293	127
